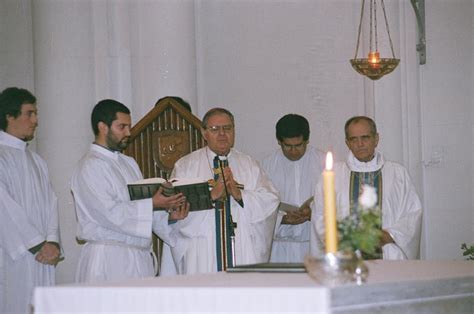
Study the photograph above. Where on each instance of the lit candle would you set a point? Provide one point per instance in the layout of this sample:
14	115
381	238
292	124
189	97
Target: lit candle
329	206
374	59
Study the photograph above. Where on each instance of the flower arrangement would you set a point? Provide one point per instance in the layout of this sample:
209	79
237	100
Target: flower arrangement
361	230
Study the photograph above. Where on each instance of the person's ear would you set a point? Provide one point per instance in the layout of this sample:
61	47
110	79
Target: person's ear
204	134
376	139
103	127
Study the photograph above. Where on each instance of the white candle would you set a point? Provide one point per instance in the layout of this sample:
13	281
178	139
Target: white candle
329	206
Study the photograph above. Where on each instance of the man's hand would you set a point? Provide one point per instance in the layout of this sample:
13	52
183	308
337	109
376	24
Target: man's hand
297	217
179	213
162	201
49	254
231	184
218	191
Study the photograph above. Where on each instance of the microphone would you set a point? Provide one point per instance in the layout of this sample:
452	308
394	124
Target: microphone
231	225
222	161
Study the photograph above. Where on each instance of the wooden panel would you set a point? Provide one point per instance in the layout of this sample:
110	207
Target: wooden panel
166	127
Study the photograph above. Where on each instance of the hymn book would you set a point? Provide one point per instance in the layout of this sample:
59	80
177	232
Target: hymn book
288	208
196	191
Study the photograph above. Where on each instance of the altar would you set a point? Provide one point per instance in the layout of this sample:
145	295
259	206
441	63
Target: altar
392	287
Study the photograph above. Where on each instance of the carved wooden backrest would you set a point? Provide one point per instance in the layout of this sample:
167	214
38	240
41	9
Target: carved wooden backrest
168	132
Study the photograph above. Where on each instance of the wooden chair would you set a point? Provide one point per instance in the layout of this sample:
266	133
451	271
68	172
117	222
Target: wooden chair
165	134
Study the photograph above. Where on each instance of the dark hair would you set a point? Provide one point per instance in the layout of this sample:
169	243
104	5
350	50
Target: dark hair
106	111
373	127
11	100
179	100
215	111
292	125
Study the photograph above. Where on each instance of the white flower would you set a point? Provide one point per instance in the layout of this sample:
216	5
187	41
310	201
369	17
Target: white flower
368	198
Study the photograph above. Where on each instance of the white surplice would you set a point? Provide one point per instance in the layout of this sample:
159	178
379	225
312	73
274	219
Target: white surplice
296	181
195	247
117	231
401	206
29	216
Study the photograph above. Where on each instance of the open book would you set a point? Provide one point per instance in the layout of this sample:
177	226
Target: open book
288	208
196	191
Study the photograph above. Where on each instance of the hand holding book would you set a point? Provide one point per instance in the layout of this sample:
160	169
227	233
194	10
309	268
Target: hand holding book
172	194
296	215
180	212
160	200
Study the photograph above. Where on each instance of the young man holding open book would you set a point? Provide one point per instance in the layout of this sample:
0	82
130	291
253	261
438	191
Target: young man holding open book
117	230
294	169
238	229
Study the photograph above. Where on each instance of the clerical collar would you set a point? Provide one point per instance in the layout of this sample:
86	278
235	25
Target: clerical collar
105	150
359	166
12	141
210	154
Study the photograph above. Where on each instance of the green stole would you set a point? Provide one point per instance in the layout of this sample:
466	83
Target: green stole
224	224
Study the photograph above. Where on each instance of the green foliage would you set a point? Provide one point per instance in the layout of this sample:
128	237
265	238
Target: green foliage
361	231
468	251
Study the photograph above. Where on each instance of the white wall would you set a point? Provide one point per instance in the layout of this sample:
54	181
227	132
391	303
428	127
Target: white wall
16	48
447	105
260	59
272	58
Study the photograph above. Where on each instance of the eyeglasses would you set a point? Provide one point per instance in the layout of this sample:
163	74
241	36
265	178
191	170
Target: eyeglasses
287	147
216	129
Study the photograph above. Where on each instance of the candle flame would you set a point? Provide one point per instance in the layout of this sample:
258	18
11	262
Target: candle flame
329	161
374	57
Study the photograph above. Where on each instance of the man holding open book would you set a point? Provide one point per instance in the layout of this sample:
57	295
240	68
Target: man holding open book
294	169
117	230
239	229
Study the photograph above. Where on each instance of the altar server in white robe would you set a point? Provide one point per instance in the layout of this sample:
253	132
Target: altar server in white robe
243	196
400	204
294	170
117	231
29	230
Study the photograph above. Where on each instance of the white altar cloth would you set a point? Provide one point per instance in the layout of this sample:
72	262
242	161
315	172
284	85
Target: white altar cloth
211	293
389	282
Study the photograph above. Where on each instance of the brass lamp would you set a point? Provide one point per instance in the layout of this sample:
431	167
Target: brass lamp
373	66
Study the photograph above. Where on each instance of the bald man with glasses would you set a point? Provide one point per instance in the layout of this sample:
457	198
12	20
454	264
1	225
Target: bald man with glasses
239	229
294	169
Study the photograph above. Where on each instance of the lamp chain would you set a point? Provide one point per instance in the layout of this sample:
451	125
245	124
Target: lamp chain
375	26
360	27
388	30
371	18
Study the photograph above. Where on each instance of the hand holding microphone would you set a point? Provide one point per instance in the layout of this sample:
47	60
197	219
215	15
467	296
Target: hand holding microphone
231	187
225	185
